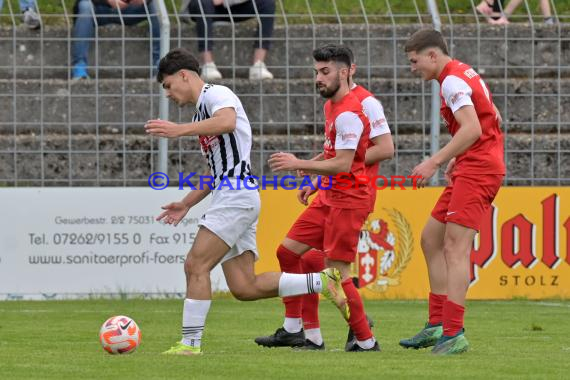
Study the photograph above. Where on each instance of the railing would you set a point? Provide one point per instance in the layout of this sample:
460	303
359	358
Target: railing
55	131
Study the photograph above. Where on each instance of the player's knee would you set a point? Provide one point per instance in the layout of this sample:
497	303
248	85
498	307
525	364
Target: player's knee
242	293
429	243
285	255
452	250
193	267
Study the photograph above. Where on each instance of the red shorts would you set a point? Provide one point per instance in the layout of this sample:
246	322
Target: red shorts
333	230
468	197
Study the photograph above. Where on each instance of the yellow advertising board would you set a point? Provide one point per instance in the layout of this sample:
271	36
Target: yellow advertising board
522	249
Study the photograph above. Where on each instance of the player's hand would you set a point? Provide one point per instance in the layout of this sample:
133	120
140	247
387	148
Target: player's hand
282	162
136	2
163	128
304	194
119	4
174	213
426	170
217	2
449	170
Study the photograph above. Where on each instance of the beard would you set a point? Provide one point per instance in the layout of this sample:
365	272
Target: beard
329	92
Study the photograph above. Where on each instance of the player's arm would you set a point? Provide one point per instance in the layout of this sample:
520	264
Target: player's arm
222	121
176	211
457	95
383	149
349	128
341	163
468	133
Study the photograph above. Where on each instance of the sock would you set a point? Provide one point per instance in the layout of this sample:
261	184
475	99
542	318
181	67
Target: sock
293	284
312	261
366	344
290	262
310	311
436	302
357	320
193	321
314	335
293	325
452	318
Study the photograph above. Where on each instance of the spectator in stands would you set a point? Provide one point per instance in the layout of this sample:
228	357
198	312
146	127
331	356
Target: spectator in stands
206	12
29	15
129	12
490	7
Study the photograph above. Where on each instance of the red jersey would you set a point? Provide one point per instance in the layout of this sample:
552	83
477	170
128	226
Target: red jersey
346	127
378	126
461	86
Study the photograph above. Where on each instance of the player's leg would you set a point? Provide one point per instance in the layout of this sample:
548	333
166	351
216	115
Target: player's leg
457	249
341	244
312	261
306	232
432	246
291	333
208	250
471	198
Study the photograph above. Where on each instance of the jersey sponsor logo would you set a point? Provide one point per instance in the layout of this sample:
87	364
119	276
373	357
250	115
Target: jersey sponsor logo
470	73
383	254
348	136
208	142
458	95
375	124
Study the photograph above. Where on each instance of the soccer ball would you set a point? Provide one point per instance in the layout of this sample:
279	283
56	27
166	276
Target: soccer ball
120	335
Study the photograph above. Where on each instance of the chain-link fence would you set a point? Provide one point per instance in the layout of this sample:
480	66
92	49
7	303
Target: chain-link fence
60	131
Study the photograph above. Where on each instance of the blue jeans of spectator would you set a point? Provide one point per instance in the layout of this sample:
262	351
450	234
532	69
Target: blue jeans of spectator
84	28
204	14
24	4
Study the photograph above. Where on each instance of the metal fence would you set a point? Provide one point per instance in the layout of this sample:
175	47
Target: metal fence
55	131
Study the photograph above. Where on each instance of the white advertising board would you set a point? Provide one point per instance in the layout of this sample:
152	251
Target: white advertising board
82	242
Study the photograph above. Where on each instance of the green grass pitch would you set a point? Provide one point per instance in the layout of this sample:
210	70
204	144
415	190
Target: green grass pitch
59	340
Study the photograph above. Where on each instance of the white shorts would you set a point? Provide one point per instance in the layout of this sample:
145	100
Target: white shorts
232	216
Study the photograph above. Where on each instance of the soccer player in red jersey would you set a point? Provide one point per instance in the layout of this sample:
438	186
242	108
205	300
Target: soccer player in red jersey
381	147
333	220
474	175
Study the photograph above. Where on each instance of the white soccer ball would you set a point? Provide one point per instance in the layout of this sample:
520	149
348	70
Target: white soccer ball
120	335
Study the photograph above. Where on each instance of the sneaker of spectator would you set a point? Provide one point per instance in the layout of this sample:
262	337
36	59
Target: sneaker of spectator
79	71
259	71
31	19
210	72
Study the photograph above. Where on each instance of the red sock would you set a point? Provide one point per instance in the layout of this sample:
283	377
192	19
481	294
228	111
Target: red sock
452	318
357	320
290	262
436	302
313	261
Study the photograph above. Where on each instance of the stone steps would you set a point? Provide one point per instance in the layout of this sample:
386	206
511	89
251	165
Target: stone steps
113	159
277	106
516	51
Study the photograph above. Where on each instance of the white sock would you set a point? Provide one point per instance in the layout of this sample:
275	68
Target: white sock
193	321
293	284
293	325
314	335
366	344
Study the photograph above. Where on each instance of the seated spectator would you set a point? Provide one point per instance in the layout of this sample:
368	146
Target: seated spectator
108	12
206	12
492	7
29	15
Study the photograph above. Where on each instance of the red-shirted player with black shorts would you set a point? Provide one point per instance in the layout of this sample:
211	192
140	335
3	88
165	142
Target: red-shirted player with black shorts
474	174
333	220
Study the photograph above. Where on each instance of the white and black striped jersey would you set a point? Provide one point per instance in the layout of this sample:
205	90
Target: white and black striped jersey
228	155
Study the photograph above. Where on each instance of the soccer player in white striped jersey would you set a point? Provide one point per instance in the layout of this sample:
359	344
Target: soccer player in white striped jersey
227	229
